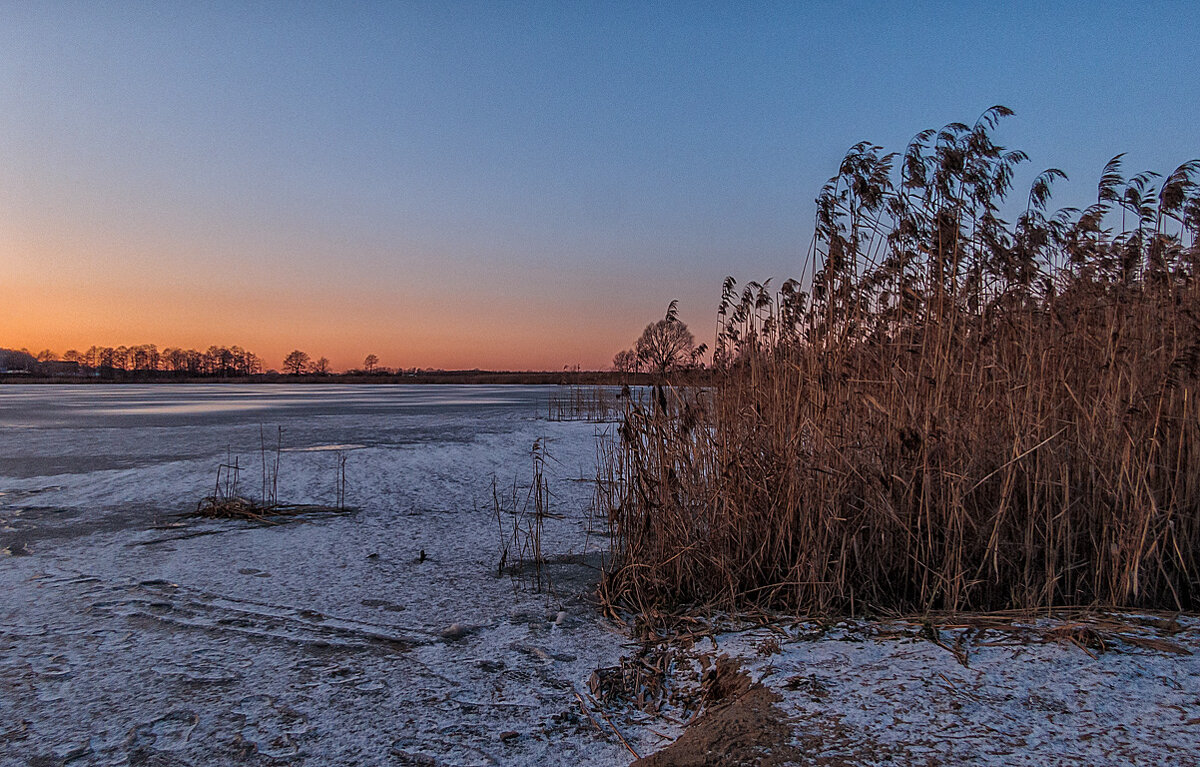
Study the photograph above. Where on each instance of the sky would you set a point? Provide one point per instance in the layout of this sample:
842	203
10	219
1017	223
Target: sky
504	185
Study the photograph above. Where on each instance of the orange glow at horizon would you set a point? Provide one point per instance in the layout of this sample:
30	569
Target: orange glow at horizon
345	333
116	301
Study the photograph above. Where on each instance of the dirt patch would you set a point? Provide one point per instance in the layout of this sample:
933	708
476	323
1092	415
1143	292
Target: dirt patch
746	730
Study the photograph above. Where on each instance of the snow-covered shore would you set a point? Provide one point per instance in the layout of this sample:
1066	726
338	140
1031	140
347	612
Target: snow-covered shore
131	636
126	633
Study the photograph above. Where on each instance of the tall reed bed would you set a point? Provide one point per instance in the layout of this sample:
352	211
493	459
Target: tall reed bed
960	413
587	402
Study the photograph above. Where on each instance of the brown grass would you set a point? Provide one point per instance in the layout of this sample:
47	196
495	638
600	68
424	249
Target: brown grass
959	414
227	501
583	402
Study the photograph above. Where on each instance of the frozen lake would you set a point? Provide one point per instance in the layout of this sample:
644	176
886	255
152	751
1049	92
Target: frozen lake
51	430
131	636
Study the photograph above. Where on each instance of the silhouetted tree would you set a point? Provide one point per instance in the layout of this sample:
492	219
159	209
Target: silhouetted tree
11	359
626	361
668	344
321	366
370	362
296	362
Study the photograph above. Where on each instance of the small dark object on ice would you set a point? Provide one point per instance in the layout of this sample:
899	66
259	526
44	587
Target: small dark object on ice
422	557
456	631
508	735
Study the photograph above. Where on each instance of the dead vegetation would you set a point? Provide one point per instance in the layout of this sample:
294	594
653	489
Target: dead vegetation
961	413
520	518
228	502
730	720
592	403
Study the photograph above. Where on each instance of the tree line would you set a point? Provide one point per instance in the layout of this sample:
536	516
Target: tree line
149	360
217	361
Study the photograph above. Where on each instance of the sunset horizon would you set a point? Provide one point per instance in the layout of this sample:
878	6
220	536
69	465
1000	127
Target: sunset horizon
483	189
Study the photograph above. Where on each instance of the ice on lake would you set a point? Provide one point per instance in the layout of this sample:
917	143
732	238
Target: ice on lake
129	635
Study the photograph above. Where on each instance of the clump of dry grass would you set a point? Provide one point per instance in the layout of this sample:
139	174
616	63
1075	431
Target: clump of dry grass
960	413
227	501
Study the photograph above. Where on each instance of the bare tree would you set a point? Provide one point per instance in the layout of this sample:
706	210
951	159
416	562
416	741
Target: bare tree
250	363
296	362
668	344
321	366
626	361
370	362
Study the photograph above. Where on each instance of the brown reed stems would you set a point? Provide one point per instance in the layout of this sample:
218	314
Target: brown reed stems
960	414
521	537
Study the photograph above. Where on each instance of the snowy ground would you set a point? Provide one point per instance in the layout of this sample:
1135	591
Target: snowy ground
127	637
1085	689
130	636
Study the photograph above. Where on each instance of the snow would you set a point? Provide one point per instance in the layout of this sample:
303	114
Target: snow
126	631
129	635
1016	701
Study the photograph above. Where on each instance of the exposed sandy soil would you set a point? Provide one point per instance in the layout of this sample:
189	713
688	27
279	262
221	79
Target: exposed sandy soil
1092	688
745	730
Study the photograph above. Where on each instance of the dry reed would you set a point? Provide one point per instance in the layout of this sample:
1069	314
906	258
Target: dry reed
227	501
521	537
960	413
583	402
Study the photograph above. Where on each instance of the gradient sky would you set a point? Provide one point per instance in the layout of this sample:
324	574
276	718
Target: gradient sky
503	185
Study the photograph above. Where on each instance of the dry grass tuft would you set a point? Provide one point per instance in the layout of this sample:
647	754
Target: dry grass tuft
227	502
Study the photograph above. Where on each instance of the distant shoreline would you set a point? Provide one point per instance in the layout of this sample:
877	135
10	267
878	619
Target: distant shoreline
479	377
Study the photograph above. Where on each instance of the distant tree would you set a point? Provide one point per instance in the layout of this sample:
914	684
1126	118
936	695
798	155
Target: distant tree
626	361
11	359
247	362
193	361
212	360
668	344
219	360
370	362
145	357
237	360
321	366
296	362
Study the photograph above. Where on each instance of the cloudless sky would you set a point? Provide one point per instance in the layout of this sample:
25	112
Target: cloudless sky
504	185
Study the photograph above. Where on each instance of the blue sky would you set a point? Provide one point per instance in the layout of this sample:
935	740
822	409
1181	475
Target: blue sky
504	184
